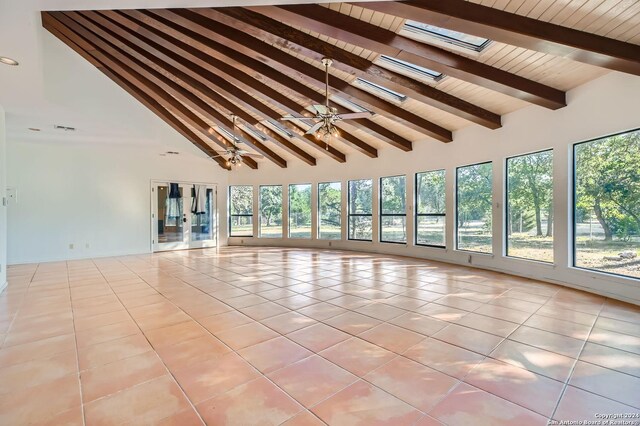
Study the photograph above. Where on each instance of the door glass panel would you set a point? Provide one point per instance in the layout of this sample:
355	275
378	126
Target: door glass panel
201	220
170	215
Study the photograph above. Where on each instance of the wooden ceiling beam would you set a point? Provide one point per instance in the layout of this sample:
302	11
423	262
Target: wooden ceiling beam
58	22
141	50
106	44
232	62
289	64
142	97
518	30
197	64
355	31
282	35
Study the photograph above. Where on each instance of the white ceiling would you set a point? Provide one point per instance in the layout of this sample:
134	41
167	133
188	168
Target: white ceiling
54	85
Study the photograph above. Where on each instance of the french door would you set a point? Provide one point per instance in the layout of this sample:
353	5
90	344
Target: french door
183	216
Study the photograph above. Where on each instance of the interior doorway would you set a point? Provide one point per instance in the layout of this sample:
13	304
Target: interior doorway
183	215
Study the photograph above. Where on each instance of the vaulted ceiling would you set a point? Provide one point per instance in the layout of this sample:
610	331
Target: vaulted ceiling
196	68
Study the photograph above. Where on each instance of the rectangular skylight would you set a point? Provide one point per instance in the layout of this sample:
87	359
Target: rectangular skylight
348	104
277	126
449	36
408	66
382	90
257	134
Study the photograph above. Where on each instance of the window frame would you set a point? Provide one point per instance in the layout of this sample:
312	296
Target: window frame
349	214
260	214
381	214
457	240
231	216
506	206
319	216
416	215
310	185
572	207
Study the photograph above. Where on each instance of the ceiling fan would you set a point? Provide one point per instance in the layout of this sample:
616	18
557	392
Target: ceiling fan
323	124
234	154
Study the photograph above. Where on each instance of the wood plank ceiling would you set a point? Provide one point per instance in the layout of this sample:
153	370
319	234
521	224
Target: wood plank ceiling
196	68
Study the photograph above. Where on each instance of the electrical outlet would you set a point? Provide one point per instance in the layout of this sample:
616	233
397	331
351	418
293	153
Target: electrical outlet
71	246
330	243
469	260
241	241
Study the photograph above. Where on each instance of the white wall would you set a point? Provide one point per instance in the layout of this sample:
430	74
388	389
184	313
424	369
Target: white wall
3	209
607	105
90	194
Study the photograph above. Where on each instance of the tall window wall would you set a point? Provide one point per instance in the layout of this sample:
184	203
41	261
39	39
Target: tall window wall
330	210
300	211
360	209
270	211
607	204
529	214
430	227
241	211
393	209
474	190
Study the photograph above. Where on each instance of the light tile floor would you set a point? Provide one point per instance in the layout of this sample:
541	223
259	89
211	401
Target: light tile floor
305	337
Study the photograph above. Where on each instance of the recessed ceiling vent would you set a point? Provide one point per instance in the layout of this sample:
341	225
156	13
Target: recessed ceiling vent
65	128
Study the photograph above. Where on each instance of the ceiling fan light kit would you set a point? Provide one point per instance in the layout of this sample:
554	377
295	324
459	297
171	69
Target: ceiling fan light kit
327	116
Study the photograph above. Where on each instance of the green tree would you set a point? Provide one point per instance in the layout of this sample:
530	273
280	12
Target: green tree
608	183
330	203
271	204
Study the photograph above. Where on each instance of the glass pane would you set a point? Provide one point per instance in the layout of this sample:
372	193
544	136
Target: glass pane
241	199
170	215
300	211
607	204
360	196
392	195
474	209
393	229
451	35
241	226
360	228
430	230
201	223
330	211
430	192
530	206
271	211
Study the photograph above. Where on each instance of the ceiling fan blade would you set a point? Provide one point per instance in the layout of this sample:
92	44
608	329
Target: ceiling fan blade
251	154
354	115
321	109
315	128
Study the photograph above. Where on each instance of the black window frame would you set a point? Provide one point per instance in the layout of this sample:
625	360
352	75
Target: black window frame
573	208
506	206
319	216
457	240
381	214
349	214
231	216
417	214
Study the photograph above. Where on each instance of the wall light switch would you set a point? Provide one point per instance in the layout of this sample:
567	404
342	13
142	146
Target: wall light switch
12	195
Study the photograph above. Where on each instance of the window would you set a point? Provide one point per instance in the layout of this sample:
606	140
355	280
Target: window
360	209
529	215
300	211
393	210
397	64
241	211
271	211
607	204
430	209
474	207
387	93
456	38
330	211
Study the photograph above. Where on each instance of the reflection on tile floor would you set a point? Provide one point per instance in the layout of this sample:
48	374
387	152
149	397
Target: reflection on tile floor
276	336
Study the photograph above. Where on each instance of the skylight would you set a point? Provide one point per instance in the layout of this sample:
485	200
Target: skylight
226	134
408	66
348	104
448	36
279	128
382	90
255	133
